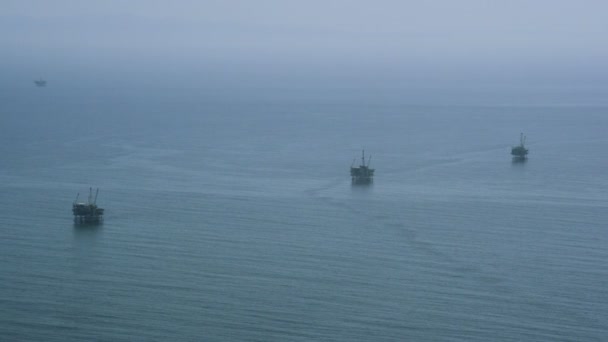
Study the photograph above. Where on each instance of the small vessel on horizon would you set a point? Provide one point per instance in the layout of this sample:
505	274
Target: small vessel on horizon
520	152
362	174
87	212
40	82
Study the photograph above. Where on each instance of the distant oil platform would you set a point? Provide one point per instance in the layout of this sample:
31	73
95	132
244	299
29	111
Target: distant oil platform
520	152
87	212
362	174
40	82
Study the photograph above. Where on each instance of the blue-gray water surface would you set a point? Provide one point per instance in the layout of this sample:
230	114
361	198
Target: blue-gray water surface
236	220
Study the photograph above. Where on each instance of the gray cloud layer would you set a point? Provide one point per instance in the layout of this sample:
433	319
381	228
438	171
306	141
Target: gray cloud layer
445	36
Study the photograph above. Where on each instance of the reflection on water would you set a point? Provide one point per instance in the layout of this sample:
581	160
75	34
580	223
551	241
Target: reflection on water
518	161
362	188
86	247
87	230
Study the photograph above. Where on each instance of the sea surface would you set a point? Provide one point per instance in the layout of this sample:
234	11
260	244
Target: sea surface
232	217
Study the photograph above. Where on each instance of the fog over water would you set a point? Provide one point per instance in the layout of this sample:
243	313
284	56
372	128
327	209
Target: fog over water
349	43
220	134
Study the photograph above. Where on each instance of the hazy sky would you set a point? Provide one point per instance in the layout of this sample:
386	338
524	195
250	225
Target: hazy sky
442	36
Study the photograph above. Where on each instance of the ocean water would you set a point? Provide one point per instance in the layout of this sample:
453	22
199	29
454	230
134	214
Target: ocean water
232	218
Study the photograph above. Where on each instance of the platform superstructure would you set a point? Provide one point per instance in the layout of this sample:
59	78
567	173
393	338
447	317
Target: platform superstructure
87	212
362	174
520	152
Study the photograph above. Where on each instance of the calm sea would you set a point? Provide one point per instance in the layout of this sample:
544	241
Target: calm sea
232	218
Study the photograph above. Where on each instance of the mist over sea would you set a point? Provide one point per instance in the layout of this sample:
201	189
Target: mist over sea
230	215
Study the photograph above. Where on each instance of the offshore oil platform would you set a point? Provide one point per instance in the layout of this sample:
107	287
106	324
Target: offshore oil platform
40	82
87	212
362	174
520	152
